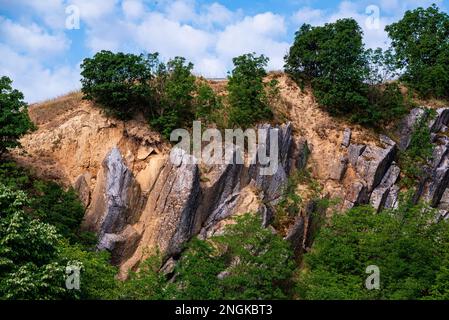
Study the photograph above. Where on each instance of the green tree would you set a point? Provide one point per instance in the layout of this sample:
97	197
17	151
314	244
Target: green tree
407	245
247	91
49	203
28	249
332	58
208	105
198	270
97	275
246	262
14	120
261	263
177	86
346	79
59	208
119	82
421	45
33	257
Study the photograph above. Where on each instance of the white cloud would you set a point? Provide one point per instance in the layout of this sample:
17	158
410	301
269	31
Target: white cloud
308	15
133	9
35	46
171	38
33	79
255	34
216	13
32	38
96	11
181	11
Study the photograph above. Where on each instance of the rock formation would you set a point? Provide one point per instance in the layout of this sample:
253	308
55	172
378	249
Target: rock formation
138	200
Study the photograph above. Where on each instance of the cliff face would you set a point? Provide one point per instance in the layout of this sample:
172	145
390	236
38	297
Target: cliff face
138	200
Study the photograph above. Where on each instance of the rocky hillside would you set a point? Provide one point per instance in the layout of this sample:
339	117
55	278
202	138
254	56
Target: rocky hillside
138	201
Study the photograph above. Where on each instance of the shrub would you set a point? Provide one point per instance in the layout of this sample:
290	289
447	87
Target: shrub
414	160
208	105
332	58
246	262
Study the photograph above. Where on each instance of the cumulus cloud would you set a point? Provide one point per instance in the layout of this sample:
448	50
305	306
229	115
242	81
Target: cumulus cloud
254	34
133	9
32	38
309	15
33	79
40	54
208	35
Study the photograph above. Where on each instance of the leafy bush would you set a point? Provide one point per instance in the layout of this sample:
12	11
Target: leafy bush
407	245
166	93
14	120
247	91
332	58
421	45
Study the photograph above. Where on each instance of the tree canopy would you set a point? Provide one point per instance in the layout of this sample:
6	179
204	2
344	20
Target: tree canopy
420	41
407	245
14	120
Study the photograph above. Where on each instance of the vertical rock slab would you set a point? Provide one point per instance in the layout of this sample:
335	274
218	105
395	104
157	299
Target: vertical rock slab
167	220
357	194
380	193
82	188
295	235
220	197
354	152
114	197
375	161
441	120
392	200
406	127
274	184
339	169
346	141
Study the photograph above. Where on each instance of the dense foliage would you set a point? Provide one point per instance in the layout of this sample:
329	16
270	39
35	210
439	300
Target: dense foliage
48	202
170	96
407	245
167	94
421	45
118	81
175	98
34	256
14	120
246	262
247	91
40	236
346	79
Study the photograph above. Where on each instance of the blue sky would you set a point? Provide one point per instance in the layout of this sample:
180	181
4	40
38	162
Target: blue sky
41	50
